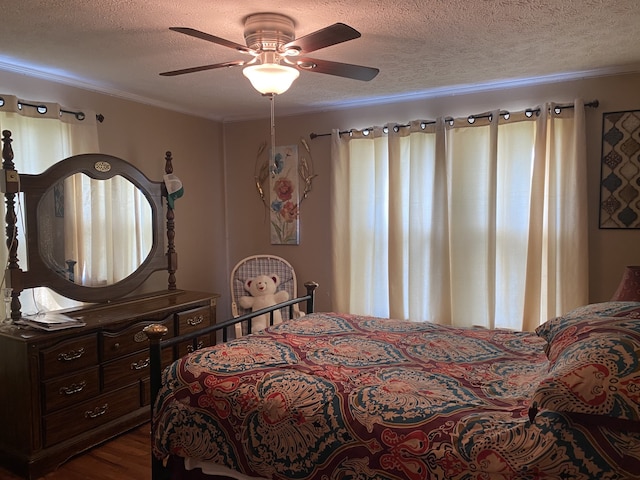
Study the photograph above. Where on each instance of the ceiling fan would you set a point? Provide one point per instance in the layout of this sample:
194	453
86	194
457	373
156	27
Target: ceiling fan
271	44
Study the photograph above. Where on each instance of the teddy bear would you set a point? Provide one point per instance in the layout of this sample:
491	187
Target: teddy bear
263	290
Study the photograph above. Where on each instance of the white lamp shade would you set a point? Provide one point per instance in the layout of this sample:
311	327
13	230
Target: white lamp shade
271	78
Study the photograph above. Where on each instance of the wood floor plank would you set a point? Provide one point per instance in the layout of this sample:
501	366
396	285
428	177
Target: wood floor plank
127	457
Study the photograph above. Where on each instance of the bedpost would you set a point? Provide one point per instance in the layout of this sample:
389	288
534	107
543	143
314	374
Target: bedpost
155	333
10	186
311	291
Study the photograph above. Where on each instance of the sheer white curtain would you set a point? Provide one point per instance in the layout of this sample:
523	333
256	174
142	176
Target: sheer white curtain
39	141
462	223
108	228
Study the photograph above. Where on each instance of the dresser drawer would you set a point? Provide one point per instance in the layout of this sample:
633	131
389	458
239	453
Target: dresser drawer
130	339
193	320
82	417
69	356
131	368
70	389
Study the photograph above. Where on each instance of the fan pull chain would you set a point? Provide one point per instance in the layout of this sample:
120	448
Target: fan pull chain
274	167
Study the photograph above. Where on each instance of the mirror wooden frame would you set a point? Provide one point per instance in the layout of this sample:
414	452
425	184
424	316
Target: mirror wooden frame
33	187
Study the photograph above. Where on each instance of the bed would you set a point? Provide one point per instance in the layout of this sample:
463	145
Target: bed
340	396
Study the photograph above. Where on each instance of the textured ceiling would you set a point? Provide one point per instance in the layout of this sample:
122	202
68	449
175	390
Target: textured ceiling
422	48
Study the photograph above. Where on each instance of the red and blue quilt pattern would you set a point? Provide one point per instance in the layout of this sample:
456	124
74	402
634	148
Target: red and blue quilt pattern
338	396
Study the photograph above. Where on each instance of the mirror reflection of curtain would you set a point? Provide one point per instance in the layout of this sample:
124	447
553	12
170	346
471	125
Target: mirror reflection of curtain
463	224
39	141
106	233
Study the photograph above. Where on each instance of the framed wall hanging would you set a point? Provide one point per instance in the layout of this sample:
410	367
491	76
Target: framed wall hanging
620	170
284	189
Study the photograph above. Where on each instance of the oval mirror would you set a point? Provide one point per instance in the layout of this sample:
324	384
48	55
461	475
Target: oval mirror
94	232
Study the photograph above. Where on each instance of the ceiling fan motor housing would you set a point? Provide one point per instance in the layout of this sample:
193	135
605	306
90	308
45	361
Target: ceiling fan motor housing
270	38
268	32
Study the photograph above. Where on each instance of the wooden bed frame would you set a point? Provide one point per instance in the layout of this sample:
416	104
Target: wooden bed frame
155	332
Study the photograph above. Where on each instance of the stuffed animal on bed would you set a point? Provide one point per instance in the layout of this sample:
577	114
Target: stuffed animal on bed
263	290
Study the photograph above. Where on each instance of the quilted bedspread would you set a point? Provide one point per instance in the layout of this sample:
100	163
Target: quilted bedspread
338	396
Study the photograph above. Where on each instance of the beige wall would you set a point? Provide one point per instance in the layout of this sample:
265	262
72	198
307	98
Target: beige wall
142	134
610	250
217	226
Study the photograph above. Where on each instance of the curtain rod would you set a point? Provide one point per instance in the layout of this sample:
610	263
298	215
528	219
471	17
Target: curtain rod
42	109
471	118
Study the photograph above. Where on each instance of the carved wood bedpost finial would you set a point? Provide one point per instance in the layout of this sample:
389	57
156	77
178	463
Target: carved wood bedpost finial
11	186
172	256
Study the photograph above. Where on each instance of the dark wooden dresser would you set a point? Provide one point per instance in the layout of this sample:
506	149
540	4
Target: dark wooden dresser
63	392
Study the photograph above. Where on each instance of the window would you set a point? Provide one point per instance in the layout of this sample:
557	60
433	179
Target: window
463	223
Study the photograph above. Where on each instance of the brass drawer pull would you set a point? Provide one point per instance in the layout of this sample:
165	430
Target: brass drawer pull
72	355
73	388
97	411
140	337
139	365
190	348
195	320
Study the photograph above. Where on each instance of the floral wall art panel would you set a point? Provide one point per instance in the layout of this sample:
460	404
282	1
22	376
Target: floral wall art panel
284	206
620	170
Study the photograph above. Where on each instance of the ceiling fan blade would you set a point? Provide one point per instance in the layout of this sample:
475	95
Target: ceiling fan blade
331	35
211	38
202	68
356	72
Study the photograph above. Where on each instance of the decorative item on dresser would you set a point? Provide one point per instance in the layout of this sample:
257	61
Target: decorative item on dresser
66	390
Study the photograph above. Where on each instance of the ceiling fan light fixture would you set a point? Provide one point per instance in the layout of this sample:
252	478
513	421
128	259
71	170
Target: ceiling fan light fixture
271	78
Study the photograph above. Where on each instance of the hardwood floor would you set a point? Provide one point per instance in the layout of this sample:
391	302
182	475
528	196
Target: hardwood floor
127	457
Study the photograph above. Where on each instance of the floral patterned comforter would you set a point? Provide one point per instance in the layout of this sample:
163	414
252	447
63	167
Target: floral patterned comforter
338	396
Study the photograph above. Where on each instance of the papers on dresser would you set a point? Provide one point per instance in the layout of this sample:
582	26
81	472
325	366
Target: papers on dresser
50	321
